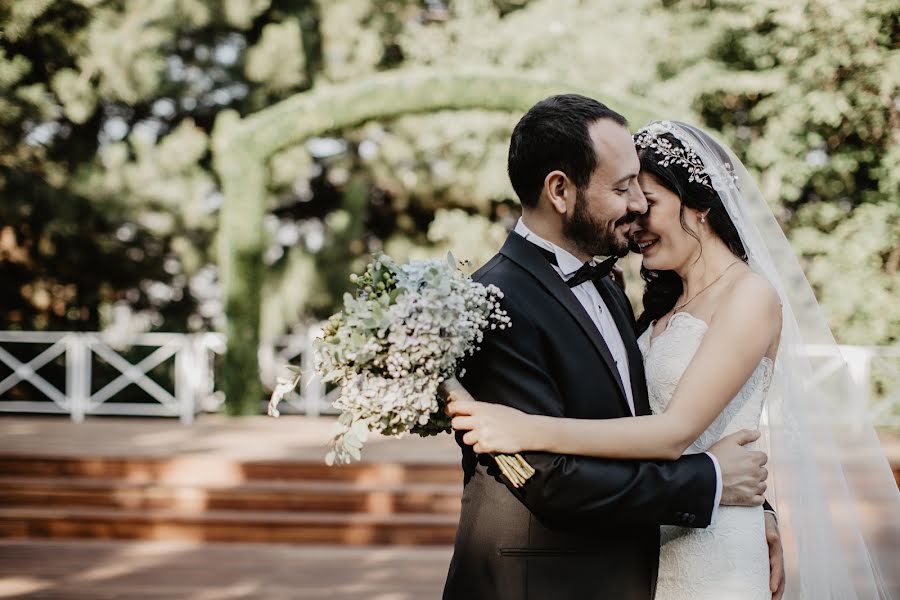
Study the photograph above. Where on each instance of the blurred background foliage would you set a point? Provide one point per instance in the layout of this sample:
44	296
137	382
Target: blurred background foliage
109	203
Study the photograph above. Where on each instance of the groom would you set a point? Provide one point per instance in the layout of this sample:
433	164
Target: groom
582	528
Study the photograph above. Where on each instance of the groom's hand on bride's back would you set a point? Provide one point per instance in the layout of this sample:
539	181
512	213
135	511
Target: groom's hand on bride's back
743	473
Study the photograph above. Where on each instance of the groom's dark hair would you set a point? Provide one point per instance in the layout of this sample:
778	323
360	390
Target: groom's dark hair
553	135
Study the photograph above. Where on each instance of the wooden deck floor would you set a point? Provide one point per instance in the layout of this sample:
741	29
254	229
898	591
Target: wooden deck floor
247	438
105	570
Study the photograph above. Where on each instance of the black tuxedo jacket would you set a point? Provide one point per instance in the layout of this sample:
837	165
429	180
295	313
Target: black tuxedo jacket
582	528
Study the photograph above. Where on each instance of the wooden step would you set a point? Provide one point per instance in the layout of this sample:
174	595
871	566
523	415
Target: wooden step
218	470
213	470
310	496
227	526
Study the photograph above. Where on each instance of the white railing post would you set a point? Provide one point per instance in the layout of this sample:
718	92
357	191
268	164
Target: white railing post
78	375
209	345
185	384
859	367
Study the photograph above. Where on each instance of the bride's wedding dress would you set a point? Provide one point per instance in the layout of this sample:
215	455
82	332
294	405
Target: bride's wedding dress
729	559
826	467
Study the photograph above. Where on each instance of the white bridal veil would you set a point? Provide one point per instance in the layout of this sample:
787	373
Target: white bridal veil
837	501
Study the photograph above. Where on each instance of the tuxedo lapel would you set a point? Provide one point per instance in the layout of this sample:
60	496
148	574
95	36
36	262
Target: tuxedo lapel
529	258
635	359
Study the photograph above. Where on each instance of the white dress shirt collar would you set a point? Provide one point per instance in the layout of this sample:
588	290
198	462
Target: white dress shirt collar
567	263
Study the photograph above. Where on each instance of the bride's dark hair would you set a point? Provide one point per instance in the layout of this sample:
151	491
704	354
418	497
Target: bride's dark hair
664	287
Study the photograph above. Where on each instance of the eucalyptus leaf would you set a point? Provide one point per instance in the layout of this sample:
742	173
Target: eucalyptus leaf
351	441
360	429
354	452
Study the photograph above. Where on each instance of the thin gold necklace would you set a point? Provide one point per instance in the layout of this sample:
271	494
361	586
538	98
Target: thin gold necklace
680	306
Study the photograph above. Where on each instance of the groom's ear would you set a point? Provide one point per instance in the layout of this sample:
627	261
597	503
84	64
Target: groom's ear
560	191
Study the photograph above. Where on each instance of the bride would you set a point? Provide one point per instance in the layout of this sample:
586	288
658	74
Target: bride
727	317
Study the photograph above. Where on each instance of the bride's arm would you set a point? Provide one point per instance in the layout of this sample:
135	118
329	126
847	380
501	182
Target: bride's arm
739	336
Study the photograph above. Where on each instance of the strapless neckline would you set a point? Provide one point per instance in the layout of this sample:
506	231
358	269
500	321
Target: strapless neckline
674	317
770	364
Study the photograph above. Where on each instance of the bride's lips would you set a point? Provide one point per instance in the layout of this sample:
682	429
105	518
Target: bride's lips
644	245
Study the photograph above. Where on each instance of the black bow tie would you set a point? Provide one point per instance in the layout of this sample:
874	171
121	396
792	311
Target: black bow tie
588	271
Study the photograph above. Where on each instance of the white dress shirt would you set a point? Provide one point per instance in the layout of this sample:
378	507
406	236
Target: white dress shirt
593	303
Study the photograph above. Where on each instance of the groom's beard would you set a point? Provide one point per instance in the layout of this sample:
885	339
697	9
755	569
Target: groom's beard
590	235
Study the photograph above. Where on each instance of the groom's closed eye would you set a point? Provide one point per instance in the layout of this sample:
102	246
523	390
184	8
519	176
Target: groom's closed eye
624	184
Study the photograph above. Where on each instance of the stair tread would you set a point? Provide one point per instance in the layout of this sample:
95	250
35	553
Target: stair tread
235	516
208	470
87	483
212	459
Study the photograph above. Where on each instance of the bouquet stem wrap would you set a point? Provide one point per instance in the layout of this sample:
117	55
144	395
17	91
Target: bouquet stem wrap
514	467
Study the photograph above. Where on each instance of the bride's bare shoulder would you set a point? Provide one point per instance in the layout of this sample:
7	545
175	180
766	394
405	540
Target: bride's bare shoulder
751	284
753	295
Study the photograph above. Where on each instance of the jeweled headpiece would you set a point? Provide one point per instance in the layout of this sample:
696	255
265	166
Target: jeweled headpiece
682	155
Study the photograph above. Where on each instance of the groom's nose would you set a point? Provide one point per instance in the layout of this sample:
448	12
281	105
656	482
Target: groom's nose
637	203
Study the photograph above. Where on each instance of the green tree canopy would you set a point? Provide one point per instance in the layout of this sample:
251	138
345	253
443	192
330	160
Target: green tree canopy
108	192
808	93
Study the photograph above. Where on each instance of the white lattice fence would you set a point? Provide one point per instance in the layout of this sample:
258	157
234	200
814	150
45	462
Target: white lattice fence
883	374
874	373
192	388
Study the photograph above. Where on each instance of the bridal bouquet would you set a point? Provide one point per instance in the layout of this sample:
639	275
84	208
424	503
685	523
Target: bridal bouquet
392	346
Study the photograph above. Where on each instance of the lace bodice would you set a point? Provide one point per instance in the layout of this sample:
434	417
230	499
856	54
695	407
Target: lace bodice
667	357
728	559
